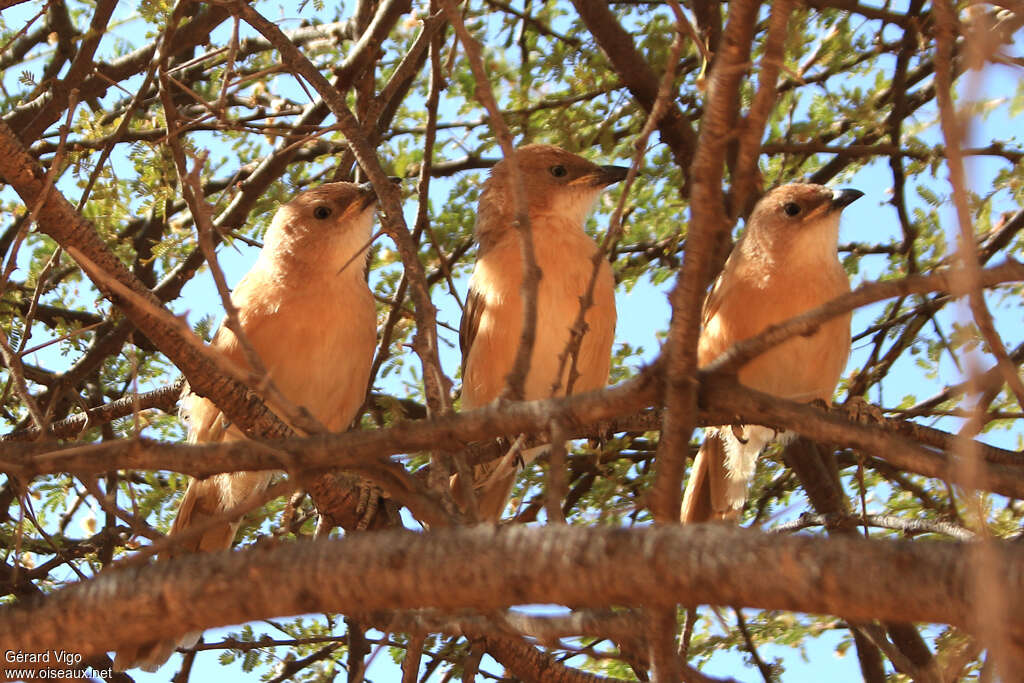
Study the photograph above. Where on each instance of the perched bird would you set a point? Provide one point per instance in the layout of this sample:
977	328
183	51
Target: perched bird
560	190
306	310
785	264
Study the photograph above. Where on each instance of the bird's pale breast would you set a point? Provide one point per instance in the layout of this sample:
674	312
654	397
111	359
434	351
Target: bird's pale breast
564	256
316	343
802	367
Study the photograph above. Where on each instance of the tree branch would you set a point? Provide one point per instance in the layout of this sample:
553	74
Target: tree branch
650	567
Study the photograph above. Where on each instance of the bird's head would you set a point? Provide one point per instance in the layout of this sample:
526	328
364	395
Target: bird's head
799	215
556	183
329	225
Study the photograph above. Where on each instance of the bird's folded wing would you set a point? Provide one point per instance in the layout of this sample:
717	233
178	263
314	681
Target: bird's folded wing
471	315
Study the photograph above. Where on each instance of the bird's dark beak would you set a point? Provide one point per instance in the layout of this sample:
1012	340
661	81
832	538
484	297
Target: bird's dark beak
367	197
612	174
843	198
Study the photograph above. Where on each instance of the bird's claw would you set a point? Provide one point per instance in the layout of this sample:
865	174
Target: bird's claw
739	433
857	409
369	503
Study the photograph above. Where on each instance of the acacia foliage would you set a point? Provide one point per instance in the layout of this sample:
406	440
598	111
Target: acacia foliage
103	95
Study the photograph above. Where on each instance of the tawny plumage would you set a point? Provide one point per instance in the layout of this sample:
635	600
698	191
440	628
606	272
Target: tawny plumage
561	189
307	311
785	264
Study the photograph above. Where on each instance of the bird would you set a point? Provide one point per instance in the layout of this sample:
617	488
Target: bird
560	190
307	311
786	263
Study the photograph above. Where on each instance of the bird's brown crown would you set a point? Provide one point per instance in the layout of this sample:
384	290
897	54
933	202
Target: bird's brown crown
546	168
795	202
797	214
326	226
329	203
554	181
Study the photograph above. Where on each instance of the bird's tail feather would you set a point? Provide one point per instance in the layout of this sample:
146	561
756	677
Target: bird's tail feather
204	498
148	656
492	497
711	492
211	497
493	482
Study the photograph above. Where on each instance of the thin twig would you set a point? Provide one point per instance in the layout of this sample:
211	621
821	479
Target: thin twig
557	480
992	612
805	323
615	229
516	380
436	383
708	222
17	370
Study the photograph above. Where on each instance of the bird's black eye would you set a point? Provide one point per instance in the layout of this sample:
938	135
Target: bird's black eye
322	212
791	208
558	171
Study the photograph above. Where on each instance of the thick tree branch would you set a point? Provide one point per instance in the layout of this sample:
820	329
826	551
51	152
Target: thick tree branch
722	401
637	75
57	218
33	118
824	427
806	323
708	225
325	451
654	566
165	398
